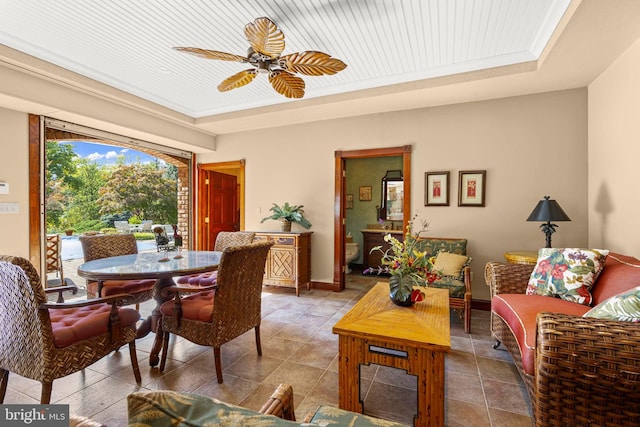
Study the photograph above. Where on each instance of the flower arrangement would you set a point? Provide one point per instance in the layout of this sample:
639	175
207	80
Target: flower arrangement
407	263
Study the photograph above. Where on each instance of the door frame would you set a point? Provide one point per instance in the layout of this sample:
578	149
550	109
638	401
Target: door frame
340	198
233	167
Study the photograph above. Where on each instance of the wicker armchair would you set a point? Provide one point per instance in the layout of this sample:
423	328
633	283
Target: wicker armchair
45	341
108	245
587	370
224	240
215	315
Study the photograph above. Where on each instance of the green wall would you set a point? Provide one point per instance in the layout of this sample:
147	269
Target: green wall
360	173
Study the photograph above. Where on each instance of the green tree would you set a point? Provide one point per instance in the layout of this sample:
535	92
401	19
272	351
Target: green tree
60	180
145	190
82	205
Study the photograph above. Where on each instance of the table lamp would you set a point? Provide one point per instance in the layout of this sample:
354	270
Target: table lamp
548	210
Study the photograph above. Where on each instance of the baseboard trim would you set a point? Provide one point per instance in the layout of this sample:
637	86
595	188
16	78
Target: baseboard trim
481	304
326	286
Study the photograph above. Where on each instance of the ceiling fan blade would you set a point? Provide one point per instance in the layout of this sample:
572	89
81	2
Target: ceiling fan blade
238	80
287	84
312	63
265	37
211	54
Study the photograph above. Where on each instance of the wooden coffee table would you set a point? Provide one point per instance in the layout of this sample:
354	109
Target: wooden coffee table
411	338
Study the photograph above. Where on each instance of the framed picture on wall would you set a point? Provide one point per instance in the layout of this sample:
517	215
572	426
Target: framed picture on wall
472	188
436	188
365	194
349	201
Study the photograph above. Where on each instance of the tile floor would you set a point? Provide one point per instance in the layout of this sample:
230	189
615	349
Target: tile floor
482	388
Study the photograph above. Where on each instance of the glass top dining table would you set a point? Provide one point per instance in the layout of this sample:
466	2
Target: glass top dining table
150	265
162	266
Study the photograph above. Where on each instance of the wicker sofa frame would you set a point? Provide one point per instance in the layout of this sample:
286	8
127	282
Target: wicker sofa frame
587	370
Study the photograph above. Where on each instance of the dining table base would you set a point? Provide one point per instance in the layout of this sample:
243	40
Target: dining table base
153	322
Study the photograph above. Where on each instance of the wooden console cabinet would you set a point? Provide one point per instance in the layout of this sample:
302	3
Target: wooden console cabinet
289	260
371	239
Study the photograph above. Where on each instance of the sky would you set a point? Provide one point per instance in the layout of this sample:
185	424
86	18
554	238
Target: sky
108	154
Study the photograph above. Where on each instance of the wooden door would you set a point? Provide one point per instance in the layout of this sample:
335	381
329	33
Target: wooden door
217	206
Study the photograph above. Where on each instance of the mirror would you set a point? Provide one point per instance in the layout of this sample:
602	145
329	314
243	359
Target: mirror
392	196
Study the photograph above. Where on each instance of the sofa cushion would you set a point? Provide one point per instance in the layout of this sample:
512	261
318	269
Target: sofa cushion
455	287
624	306
519	312
568	273
621	273
332	416
434	246
170	408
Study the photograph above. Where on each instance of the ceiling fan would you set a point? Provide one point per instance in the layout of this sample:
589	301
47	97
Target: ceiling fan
267	43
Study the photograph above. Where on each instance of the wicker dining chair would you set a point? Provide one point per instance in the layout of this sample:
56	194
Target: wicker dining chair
109	245
224	239
46	341
215	315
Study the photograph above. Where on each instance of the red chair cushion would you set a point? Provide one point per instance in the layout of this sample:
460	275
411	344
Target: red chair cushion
203	279
114	287
71	325
519	312
197	307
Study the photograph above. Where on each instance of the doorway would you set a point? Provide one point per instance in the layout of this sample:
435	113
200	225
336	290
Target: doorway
340	200
219	201
42	129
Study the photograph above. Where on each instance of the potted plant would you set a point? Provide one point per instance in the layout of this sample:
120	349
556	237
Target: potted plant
287	214
69	231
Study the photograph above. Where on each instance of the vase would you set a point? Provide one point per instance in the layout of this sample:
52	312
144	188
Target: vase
400	289
285	225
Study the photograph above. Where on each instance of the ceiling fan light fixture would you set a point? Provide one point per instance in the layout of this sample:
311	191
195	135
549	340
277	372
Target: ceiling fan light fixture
266	44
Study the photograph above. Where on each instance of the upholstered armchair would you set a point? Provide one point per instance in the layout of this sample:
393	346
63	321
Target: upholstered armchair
457	277
109	245
46	341
215	315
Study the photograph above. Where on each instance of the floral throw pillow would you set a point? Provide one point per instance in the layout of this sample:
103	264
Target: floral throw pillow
624	306
568	273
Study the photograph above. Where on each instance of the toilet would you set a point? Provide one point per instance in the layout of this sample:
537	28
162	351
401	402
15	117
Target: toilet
352	251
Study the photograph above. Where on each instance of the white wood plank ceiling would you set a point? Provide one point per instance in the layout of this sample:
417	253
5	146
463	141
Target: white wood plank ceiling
128	44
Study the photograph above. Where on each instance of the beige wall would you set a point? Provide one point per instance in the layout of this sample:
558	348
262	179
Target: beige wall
531	146
14	170
614	153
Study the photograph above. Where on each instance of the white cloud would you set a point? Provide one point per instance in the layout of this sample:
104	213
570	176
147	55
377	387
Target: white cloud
124	150
111	155
95	156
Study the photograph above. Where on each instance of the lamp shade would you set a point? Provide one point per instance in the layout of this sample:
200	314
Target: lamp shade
548	210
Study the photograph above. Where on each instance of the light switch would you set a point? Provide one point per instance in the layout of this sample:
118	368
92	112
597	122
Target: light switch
4	188
9	208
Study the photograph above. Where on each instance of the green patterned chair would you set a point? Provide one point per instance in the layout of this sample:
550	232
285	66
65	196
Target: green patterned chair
169	408
458	281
